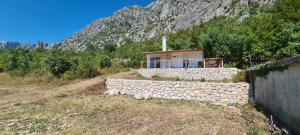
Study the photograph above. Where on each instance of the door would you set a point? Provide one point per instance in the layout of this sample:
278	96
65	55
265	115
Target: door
155	62
185	63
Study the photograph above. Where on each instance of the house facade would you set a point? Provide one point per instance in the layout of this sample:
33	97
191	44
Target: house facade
193	58
175	59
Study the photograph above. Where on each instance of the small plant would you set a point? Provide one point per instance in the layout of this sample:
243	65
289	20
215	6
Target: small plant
240	77
202	80
257	131
156	77
177	79
226	80
105	62
69	75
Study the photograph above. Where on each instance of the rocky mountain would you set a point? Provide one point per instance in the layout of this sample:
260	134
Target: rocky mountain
9	45
141	23
28	46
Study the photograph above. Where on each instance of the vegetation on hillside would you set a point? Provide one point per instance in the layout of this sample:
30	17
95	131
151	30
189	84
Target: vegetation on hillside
70	65
270	33
273	33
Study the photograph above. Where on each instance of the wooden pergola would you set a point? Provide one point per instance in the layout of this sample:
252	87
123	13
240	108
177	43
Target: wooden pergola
213	63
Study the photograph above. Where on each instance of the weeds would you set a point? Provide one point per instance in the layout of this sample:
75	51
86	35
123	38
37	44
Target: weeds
240	77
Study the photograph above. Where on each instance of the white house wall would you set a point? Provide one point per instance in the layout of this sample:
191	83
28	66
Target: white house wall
177	59
163	63
193	57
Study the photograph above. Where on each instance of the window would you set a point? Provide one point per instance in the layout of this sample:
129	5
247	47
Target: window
155	62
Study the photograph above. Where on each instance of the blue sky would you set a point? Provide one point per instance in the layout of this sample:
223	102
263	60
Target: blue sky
28	21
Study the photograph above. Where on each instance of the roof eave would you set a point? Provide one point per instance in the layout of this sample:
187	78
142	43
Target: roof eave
191	50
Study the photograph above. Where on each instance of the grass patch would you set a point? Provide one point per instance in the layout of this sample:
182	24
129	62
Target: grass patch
118	115
32	78
255	120
240	77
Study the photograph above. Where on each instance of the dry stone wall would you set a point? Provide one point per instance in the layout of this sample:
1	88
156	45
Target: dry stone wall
218	93
214	74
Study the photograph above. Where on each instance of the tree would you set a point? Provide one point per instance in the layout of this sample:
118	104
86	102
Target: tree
109	48
105	61
57	64
18	61
176	43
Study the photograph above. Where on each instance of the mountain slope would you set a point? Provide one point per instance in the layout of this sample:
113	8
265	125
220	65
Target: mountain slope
9	45
27	46
139	23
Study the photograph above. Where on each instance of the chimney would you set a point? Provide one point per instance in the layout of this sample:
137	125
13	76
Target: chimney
164	43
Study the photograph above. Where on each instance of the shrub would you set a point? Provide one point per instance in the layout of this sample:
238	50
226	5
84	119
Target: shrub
105	62
87	68
18	62
69	75
156	77
240	77
226	80
110	48
87	71
202	80
58	66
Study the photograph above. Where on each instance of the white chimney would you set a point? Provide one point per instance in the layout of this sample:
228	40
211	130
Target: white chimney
164	43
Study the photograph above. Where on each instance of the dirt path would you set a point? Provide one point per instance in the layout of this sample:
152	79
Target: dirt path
13	94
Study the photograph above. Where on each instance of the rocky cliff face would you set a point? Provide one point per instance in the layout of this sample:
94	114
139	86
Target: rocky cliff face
142	23
9	45
27	46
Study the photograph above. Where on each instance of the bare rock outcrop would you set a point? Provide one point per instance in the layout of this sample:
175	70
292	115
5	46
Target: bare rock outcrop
141	23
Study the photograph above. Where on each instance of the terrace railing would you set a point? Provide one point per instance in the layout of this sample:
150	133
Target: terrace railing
191	63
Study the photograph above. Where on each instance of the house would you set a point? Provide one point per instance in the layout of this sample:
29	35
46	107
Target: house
192	58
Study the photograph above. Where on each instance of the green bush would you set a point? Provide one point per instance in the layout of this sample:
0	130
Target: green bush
58	66
18	62
69	75
87	71
202	80
105	62
240	77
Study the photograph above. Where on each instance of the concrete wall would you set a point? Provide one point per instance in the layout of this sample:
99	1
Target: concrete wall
218	93
279	93
214	74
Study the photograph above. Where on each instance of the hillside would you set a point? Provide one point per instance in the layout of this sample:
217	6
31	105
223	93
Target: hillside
141	23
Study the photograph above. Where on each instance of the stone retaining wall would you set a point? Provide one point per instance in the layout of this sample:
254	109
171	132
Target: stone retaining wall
218	93
214	74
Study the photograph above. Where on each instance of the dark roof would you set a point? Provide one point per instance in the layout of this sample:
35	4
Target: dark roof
190	50
283	62
286	61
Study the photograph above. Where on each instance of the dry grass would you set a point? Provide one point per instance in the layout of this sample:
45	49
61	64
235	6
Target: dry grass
80	108
35	79
119	115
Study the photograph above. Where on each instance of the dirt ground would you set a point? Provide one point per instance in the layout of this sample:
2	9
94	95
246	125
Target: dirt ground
11	93
81	108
